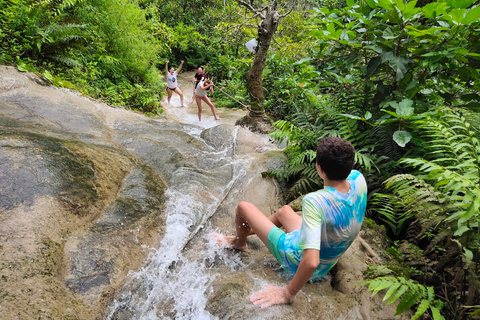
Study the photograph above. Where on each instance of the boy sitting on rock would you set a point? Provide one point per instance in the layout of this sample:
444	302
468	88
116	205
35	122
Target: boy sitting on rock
312	243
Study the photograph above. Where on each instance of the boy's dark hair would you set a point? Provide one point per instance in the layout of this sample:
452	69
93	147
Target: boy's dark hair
335	156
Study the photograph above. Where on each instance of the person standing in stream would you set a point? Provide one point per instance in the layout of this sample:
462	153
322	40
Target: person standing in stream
201	94
172	84
197	78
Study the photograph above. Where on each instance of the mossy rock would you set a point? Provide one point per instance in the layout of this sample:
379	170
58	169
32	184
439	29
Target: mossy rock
257	123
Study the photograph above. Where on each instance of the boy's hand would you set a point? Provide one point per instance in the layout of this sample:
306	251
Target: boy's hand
272	296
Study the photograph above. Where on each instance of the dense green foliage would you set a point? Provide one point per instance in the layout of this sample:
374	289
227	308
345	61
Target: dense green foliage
401	82
113	50
399	79
99	47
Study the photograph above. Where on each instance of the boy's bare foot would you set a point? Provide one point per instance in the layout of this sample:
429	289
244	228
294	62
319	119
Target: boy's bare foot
228	242
184	106
217	118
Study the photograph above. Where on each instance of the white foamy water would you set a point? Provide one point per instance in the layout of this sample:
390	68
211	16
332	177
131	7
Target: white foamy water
169	279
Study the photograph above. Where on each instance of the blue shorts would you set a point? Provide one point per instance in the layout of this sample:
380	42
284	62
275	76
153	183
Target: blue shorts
276	237
276	244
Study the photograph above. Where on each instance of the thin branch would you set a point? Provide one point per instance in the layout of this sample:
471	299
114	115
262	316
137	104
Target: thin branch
286	14
243	24
248	6
248	18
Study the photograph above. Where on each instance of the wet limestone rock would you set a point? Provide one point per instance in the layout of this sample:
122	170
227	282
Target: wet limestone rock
78	210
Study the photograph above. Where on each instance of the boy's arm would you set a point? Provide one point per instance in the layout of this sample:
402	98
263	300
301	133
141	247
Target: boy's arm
180	67
166	66
282	295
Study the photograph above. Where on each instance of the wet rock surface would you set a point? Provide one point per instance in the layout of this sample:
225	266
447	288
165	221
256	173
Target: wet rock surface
84	189
78	210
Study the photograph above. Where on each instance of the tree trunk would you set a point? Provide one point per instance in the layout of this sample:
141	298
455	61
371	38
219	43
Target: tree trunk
256	120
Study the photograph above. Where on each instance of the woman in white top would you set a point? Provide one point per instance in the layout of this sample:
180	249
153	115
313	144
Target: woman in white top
201	94
172	84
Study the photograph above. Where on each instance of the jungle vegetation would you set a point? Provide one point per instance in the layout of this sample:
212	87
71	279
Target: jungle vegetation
399	79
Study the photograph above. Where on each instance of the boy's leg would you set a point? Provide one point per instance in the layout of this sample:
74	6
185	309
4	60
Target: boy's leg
287	218
249	218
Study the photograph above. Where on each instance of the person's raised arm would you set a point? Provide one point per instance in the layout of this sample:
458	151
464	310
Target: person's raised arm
282	295
180	67
211	88
205	87
166	66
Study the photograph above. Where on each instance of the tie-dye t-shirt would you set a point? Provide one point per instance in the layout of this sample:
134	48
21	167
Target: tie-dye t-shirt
331	221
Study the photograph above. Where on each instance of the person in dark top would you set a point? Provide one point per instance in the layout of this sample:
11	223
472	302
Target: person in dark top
197	78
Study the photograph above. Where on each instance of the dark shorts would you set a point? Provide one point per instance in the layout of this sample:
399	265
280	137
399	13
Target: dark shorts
172	89
275	243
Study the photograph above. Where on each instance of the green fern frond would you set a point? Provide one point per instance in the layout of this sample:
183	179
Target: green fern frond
413	197
389	148
108	60
364	160
294	134
307	156
410	292
440	237
302	186
389	208
277	174
66	60
450	141
57	6
282	130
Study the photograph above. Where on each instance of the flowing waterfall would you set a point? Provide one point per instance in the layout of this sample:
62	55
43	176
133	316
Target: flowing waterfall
172	285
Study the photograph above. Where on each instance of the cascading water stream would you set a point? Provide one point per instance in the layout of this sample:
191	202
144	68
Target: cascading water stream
171	285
